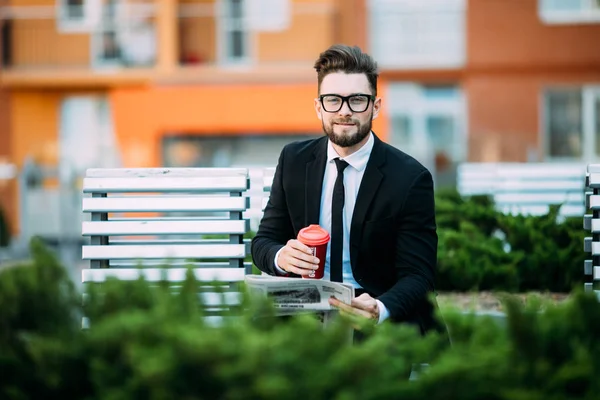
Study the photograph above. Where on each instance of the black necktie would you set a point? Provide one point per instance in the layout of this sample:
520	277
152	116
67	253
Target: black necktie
337	223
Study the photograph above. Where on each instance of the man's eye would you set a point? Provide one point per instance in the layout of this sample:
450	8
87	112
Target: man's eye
332	100
358	100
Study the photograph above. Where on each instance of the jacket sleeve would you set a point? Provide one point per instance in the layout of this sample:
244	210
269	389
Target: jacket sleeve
416	250
275	228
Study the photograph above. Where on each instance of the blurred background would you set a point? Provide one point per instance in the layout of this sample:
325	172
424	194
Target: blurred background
218	83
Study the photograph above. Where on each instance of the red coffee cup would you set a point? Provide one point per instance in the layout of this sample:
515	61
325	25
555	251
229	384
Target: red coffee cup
317	239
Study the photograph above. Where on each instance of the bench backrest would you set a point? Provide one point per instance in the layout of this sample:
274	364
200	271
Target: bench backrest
166	214
146	218
526	188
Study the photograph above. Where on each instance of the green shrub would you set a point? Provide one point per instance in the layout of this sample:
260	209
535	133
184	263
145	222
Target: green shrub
147	342
483	249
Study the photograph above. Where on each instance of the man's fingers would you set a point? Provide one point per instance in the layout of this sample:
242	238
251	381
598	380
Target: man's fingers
299	271
365	302
302	252
298	245
349	309
294	262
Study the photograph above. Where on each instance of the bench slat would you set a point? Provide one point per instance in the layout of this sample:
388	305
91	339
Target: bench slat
163	172
565	210
222	300
176	184
158	274
518	170
158	263
164	204
114	228
543	186
126	252
540	198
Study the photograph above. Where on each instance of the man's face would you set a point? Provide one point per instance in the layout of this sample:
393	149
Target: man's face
348	125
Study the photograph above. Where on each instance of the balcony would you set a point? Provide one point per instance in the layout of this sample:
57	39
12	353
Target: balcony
116	42
232	41
418	34
98	43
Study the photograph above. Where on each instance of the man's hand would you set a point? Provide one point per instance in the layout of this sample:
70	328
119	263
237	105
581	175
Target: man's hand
297	258
364	307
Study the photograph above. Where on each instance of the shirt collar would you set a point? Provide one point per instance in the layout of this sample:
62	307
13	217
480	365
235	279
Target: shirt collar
357	160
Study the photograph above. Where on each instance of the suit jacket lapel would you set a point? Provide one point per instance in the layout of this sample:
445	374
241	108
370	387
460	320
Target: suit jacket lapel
315	170
366	193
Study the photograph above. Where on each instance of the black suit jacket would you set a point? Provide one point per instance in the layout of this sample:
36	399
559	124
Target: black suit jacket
393	239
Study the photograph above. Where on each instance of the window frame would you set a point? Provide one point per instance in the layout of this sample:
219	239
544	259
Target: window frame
382	43
589	15
92	16
224	29
589	94
417	108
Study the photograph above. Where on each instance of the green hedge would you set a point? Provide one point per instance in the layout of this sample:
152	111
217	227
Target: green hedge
483	249
146	342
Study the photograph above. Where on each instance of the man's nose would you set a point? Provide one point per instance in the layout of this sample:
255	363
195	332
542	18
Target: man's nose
345	110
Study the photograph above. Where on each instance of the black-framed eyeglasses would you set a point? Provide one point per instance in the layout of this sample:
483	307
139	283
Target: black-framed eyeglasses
356	102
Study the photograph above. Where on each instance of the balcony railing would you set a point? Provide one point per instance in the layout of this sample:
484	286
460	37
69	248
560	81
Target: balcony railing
212	35
96	35
229	33
418	34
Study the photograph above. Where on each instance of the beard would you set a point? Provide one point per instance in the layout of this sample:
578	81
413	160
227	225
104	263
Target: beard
348	140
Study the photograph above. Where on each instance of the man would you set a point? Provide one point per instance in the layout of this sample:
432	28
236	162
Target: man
382	222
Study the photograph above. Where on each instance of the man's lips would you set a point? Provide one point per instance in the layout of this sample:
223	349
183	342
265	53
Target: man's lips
344	123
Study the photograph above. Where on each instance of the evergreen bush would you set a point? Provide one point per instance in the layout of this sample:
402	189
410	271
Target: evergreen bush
147	341
481	248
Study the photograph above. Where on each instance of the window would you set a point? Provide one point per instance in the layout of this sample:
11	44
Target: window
78	15
125	36
572	123
428	122
235	33
417	33
248	150
569	11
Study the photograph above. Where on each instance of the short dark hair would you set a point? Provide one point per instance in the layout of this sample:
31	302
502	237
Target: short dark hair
348	59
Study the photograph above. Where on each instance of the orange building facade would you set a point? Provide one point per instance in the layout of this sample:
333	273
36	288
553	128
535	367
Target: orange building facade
133	83
146	83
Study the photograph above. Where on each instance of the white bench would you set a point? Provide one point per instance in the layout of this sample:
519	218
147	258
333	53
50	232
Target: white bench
526	188
142	220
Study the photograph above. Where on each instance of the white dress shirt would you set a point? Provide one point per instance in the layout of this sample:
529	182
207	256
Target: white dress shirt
353	174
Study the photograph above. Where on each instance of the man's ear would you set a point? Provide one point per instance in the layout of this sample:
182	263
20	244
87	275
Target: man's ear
376	107
318	110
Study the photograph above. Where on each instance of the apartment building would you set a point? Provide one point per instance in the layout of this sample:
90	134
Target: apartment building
144	83
141	83
490	80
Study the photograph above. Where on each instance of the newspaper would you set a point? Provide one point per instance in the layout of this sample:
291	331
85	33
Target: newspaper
295	295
